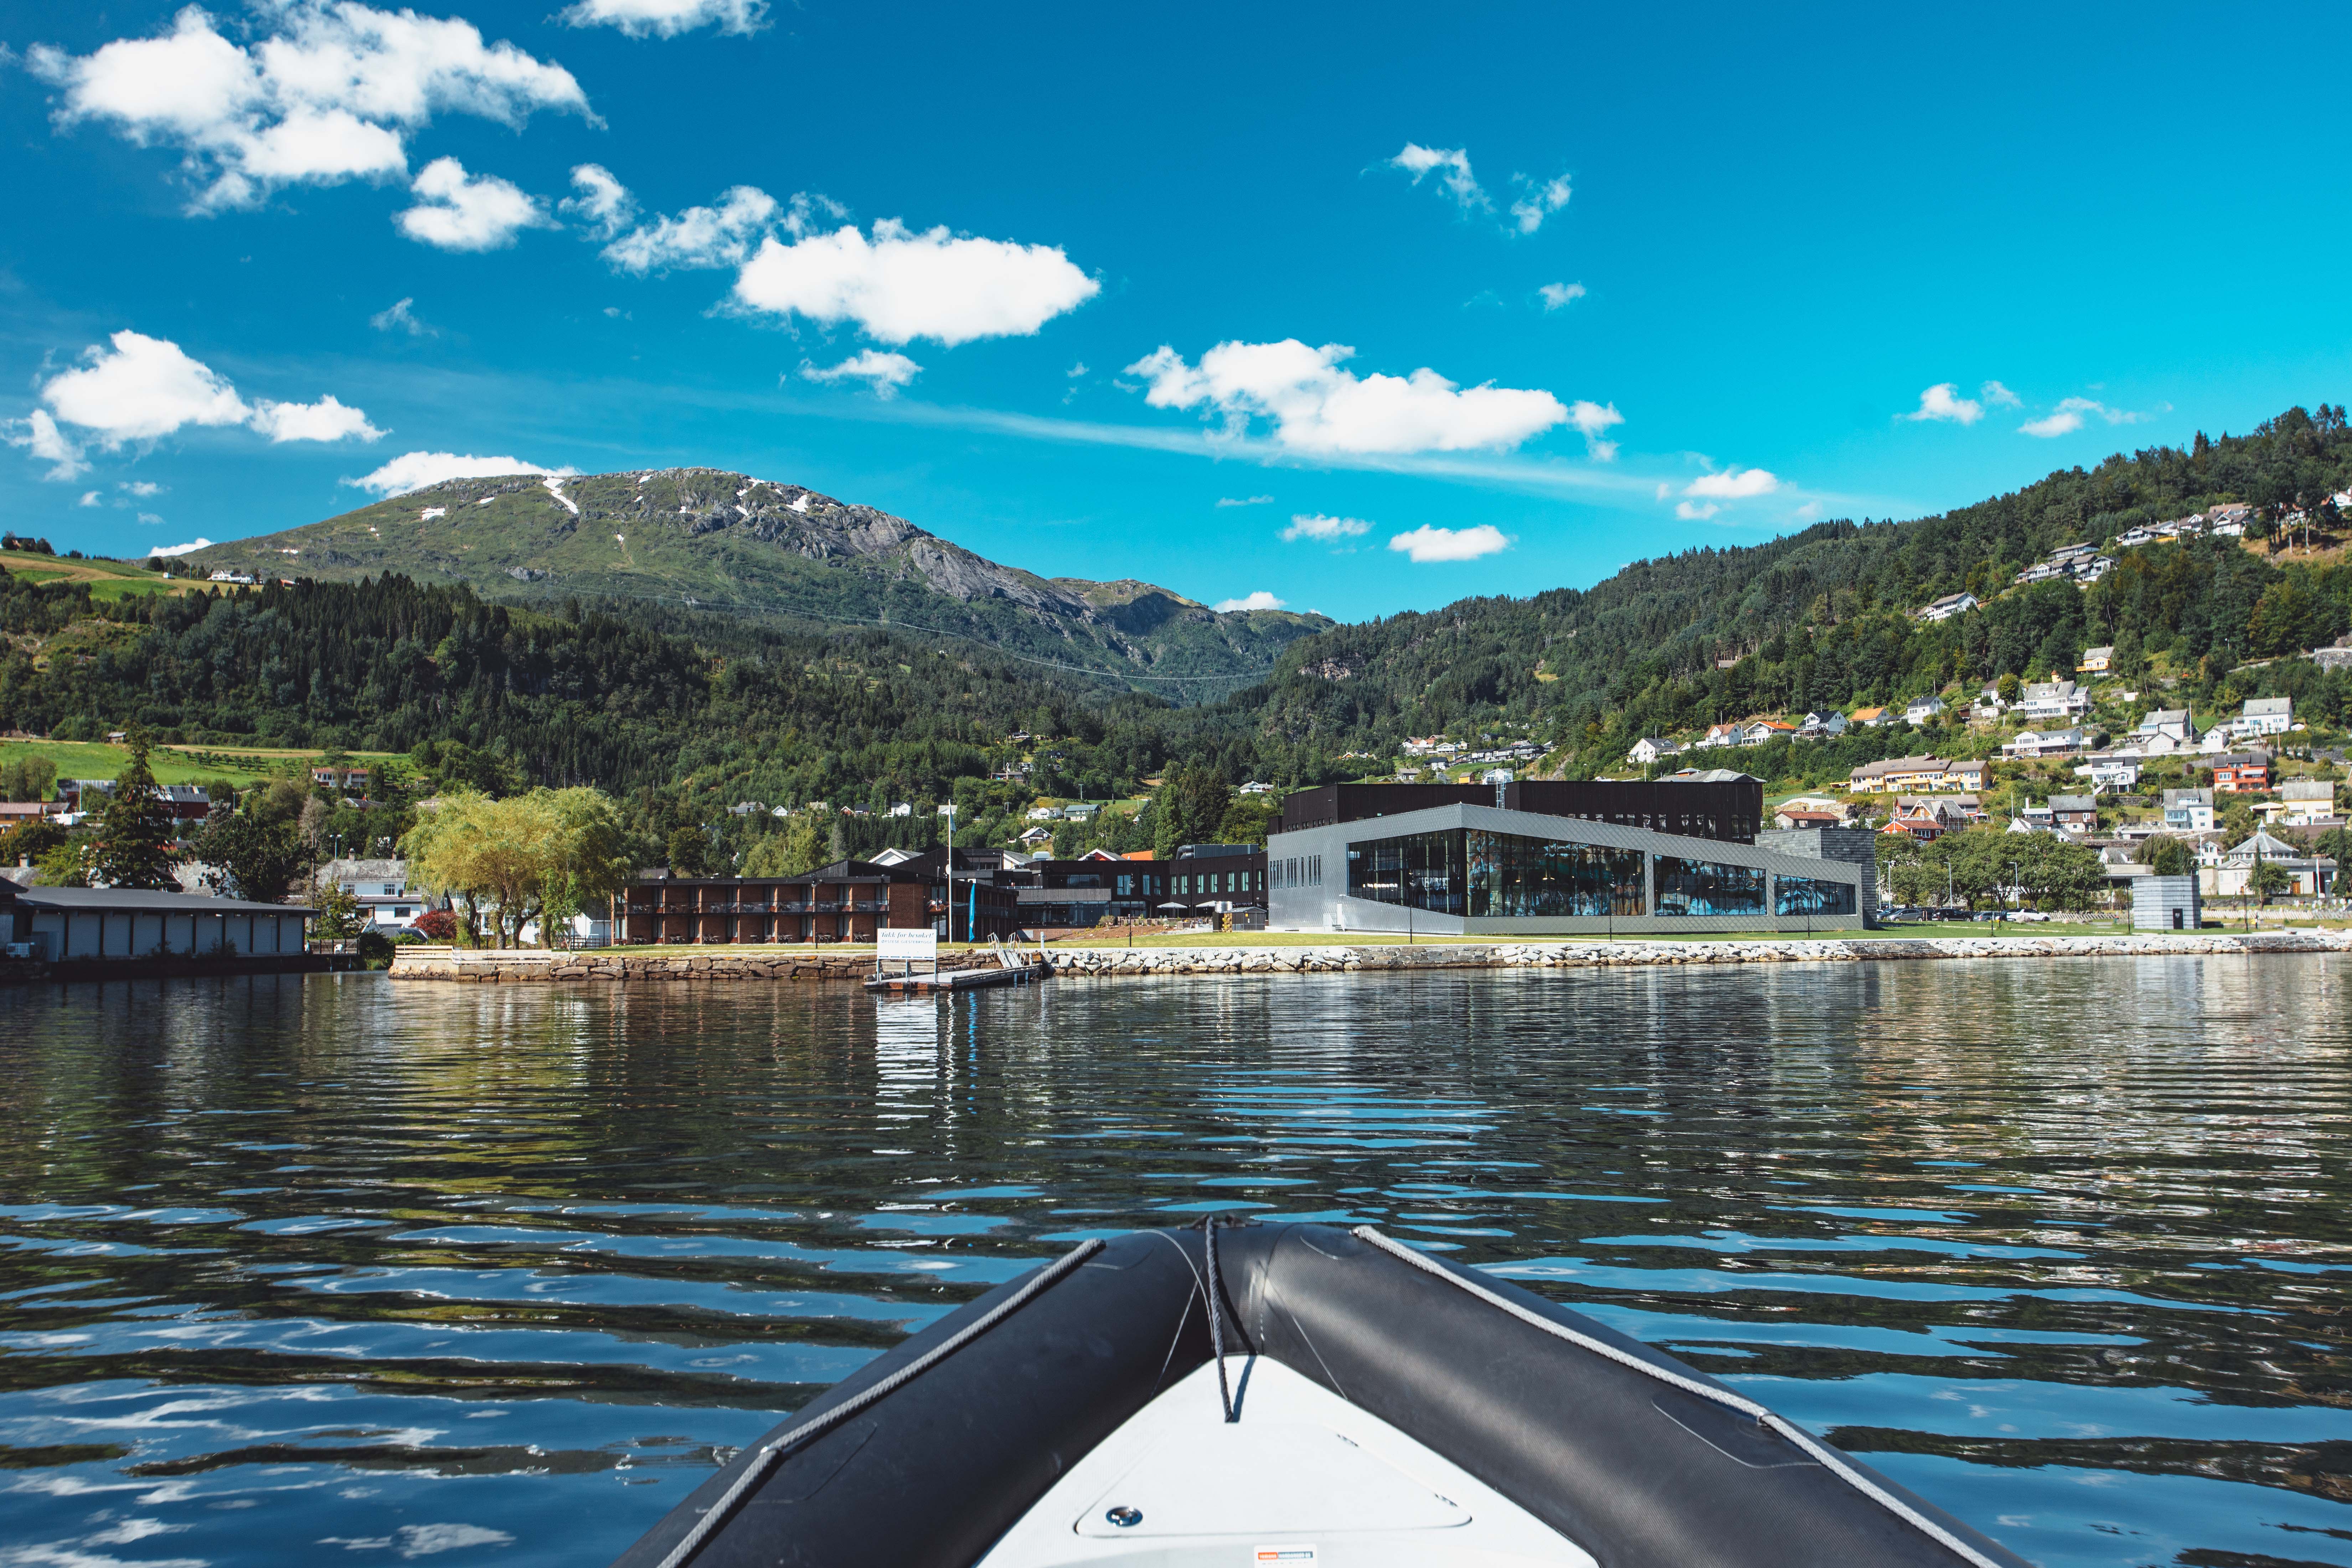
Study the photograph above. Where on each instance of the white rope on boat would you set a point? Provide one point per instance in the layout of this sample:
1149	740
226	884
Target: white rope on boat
1828	1457
765	1459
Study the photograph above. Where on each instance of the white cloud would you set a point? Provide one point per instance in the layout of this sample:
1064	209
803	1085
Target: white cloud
401	317
325	420
167	551
328	91
415	470
1540	202
1942	401
884	373
149	517
1076	370
1556	294
1305	525
89	498
1733	484
140	487
1592	420
901	285
1260	600
38	434
1996	396
457	211
1426	545
144	388
604	203
699	237
1696	510
669	18
1244	500
1317	406
1459	182
2068	417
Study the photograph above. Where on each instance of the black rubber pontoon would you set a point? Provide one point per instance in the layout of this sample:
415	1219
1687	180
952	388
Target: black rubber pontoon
930	1455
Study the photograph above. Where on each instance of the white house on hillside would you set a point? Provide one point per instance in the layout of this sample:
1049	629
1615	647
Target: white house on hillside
2047	700
2264	716
1649	748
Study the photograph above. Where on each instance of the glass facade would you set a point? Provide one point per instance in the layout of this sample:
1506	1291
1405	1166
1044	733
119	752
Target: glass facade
1510	876
1811	896
1513	875
1420	871
1708	888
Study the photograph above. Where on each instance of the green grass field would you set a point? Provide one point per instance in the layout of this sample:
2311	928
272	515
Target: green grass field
191	764
107	579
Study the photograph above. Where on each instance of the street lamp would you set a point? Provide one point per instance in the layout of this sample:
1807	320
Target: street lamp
950	809
2016	887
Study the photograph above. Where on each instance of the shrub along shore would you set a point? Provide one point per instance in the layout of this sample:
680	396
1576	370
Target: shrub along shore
1109	962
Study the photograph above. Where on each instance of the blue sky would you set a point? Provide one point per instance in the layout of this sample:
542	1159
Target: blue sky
1076	286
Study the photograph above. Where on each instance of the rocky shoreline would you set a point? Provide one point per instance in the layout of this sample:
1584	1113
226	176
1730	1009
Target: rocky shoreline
1579	954
1114	962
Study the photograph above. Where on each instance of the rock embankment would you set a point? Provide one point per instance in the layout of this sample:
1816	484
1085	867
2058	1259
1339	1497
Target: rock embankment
506	965
1111	962
1119	961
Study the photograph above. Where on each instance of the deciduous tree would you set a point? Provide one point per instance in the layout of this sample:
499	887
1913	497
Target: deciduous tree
537	857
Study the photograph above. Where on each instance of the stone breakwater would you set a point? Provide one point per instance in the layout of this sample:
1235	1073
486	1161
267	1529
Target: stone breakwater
1113	963
1110	962
492	967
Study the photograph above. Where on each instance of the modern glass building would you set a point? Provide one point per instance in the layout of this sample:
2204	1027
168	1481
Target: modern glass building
1465	869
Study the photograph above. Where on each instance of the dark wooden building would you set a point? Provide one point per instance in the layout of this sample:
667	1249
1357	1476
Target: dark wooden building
846	901
1201	878
987	893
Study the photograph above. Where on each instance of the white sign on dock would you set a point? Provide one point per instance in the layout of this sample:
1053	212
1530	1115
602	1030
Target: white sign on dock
915	945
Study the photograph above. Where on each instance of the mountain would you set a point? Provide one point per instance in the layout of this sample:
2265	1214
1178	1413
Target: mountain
703	539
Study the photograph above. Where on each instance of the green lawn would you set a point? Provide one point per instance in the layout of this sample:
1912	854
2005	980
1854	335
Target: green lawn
107	579
194	765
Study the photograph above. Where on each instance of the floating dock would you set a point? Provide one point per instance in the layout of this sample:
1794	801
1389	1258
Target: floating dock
962	979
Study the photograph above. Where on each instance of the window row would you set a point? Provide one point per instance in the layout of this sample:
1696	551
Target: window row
1296	871
1470	871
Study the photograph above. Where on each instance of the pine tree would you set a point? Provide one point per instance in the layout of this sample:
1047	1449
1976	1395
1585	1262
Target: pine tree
134	836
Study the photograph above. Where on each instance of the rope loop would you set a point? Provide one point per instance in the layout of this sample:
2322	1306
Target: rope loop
1217	1316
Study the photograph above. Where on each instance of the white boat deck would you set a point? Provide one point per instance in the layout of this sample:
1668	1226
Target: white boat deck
1303	1477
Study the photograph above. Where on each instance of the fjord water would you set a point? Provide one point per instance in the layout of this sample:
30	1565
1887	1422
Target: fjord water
338	1269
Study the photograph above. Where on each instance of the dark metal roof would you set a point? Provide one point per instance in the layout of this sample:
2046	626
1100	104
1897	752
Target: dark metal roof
118	900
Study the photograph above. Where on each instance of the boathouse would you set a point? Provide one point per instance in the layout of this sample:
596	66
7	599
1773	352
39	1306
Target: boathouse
72	924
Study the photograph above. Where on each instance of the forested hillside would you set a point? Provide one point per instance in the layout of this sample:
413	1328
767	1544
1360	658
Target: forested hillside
686	726
1823	617
689	713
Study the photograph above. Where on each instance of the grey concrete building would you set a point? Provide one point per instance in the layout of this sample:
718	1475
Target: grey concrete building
2165	903
1457	869
1856	845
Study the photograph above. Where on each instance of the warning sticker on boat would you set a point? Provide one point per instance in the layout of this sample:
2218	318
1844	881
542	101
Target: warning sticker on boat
1284	1554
